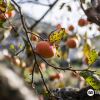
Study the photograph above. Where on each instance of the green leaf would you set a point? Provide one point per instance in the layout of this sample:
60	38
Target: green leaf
1	1
10	7
1	23
27	76
3	6
92	56
12	47
91	78
25	41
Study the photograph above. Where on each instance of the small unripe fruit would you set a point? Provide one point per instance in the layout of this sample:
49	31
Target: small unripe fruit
72	43
52	77
34	38
82	22
56	76
43	66
44	49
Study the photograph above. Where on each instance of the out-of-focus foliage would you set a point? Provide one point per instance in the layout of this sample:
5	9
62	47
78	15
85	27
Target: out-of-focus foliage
92	79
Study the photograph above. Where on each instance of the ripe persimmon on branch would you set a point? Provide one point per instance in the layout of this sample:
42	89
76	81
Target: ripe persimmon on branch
26	32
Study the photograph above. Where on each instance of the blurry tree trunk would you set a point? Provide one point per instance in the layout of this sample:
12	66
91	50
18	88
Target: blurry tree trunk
74	94
12	86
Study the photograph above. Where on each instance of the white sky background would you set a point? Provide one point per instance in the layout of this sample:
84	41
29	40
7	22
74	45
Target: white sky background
57	16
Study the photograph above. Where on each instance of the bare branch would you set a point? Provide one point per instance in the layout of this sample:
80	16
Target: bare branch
38	3
37	22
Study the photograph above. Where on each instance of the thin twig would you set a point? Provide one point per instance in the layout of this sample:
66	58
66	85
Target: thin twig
67	67
31	1
22	20
24	27
10	23
33	73
20	51
36	35
49	92
37	22
82	7
44	80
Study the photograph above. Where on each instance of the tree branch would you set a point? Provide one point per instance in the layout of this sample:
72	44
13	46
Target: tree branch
37	22
38	3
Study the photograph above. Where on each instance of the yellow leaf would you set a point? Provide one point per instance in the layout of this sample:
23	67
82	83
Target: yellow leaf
92	56
56	36
64	55
27	76
91	78
93	82
3	6
12	46
86	49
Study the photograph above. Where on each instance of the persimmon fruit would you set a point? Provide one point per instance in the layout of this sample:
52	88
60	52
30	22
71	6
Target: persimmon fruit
82	22
72	42
34	38
45	49
71	28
